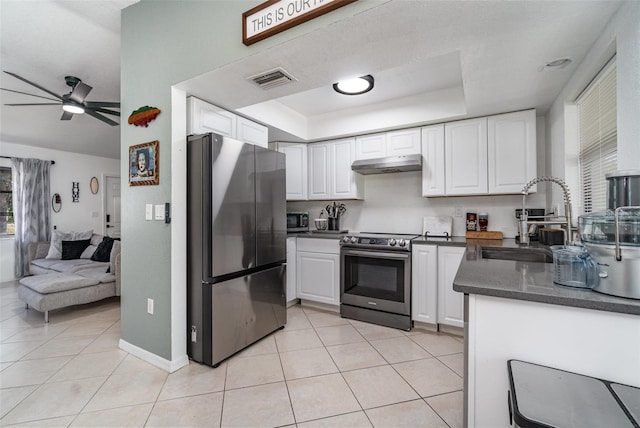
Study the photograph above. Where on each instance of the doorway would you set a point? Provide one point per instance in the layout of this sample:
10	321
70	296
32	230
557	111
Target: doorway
111	202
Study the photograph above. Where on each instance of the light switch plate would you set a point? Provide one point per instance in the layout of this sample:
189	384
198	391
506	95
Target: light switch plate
160	212
148	213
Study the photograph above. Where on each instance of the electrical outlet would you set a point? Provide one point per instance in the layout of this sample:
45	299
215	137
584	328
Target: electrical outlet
150	306
148	213
458	212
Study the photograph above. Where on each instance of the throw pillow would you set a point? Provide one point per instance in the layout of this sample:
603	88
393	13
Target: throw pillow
86	254
73	249
55	248
103	252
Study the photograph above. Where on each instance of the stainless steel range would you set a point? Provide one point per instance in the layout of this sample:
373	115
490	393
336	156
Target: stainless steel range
375	278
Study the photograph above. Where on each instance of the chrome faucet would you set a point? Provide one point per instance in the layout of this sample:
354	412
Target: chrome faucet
556	219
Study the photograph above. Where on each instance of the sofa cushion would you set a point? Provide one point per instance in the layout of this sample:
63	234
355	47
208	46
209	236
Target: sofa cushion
45	263
88	252
74	249
56	282
75	264
103	252
97	274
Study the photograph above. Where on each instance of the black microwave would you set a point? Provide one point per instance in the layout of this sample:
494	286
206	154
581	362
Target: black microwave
298	222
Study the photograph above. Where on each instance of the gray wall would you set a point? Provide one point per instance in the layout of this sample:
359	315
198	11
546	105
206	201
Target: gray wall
163	44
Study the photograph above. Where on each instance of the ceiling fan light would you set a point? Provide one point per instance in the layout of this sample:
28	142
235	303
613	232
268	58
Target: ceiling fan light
72	108
357	86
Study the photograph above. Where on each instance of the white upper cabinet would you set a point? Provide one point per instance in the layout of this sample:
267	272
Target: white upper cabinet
433	161
252	132
330	174
371	146
319	171
466	157
297	172
484	156
512	151
203	117
403	142
394	143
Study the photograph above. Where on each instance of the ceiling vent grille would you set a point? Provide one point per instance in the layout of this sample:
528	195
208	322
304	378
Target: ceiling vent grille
272	78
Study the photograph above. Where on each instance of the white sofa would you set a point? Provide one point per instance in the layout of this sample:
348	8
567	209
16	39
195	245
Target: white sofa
56	283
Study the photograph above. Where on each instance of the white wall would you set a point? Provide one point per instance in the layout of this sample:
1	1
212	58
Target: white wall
85	214
621	36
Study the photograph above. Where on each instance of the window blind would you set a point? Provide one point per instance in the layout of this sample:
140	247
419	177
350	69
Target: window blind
597	122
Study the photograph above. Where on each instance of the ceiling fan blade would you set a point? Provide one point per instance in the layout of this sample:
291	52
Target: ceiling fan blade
101	117
26	93
34	104
66	115
106	111
34	84
80	92
97	104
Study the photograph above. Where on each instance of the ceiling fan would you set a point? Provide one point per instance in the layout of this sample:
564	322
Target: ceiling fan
72	103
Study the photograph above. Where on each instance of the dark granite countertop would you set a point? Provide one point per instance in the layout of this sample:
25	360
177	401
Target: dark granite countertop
529	281
317	234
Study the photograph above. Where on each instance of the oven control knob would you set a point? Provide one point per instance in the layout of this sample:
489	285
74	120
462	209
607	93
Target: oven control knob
354	240
402	242
392	242
345	239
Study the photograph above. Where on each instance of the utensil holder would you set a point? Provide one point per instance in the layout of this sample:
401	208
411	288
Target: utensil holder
334	223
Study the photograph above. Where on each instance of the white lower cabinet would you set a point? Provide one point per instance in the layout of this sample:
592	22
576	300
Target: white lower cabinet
292	292
318	270
450	302
424	283
433	299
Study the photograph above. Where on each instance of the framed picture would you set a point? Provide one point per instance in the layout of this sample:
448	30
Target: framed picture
144	164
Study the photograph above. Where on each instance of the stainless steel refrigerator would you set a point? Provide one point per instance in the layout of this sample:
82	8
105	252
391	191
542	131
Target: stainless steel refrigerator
236	246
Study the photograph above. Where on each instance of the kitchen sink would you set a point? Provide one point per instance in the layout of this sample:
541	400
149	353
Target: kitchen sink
525	254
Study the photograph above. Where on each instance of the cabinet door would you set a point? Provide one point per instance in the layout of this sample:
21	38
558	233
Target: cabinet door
205	117
292	292
371	146
252	133
404	142
433	161
512	151
318	277
297	174
424	283
319	172
450	302
344	182
466	157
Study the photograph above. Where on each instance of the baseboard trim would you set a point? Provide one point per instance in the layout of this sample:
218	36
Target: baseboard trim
151	358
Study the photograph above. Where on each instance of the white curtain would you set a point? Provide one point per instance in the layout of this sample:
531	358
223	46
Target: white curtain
30	207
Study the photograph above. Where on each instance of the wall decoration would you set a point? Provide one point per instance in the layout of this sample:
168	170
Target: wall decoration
143	116
144	164
75	192
56	202
94	185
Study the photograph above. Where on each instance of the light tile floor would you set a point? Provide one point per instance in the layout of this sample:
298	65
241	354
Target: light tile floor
320	371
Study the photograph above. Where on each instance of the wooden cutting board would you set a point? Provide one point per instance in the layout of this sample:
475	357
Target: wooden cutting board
484	235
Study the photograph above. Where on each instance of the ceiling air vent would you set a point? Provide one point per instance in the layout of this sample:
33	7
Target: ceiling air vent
272	78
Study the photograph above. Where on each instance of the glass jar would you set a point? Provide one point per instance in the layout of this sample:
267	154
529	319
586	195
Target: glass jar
483	221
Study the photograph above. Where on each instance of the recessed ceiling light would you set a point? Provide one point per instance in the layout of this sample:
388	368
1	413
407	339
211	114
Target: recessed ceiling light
72	108
556	64
357	86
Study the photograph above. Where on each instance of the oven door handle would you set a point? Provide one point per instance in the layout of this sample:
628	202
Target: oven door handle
376	254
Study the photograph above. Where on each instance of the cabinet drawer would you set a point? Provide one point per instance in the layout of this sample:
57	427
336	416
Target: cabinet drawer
319	245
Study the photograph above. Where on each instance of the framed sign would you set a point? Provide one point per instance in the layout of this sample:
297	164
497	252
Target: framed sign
275	16
144	164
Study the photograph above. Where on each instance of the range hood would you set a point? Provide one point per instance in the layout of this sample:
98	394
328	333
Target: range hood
388	164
